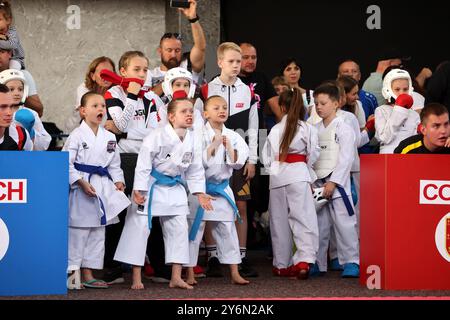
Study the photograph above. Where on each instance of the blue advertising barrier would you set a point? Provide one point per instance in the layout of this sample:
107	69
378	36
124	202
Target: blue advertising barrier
34	189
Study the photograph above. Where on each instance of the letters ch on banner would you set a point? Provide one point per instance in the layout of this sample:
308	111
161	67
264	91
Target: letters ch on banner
13	190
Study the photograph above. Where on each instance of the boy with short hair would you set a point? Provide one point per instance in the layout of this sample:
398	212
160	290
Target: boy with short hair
337	143
243	116
434	134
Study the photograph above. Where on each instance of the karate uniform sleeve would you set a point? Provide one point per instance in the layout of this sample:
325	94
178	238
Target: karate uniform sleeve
143	169
138	133
162	111
387	126
123	117
253	133
313	150
71	146
195	175
242	153
42	138
346	140
114	168
29	145
268	153
363	138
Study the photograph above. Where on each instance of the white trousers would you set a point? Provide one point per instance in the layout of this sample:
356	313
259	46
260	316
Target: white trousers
227	242
87	247
333	245
293	219
335	215
133	241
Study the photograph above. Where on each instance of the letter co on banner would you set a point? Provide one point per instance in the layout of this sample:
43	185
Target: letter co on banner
434	192
33	223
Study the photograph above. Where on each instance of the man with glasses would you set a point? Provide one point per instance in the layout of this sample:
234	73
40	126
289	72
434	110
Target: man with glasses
170	51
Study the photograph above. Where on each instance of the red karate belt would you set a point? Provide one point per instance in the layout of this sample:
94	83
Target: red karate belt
294	158
114	78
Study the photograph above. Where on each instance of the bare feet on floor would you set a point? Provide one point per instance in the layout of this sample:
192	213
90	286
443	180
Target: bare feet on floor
137	286
179	283
237	279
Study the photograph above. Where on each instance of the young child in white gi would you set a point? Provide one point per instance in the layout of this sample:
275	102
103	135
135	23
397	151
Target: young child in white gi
337	143
166	158
224	151
289	153
96	188
396	121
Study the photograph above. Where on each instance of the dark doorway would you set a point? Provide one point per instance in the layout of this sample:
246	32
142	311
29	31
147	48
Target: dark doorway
320	34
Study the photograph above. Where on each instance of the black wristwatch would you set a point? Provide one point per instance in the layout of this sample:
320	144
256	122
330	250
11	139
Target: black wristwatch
194	20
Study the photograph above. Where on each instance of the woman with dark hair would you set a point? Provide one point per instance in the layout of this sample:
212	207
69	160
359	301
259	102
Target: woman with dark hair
291	72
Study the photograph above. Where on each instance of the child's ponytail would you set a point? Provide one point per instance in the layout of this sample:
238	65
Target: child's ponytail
292	101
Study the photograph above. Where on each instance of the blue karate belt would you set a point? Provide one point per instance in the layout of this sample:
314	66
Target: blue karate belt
163	180
354	193
214	189
100	171
344	196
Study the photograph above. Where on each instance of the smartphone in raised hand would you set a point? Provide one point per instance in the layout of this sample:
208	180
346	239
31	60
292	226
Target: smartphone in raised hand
179	4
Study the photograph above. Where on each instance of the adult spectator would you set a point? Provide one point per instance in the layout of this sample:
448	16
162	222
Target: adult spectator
374	84
369	101
435	133
33	101
438	87
92	82
291	71
261	85
170	52
259	82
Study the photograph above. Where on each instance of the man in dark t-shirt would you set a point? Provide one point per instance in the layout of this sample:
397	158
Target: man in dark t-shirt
258	82
435	133
268	110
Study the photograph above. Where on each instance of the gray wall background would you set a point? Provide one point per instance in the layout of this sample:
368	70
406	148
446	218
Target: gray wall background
58	57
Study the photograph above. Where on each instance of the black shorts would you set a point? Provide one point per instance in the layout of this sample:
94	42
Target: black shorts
240	187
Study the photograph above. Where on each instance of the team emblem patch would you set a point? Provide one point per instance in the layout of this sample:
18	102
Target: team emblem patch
187	158
111	146
442	237
85	146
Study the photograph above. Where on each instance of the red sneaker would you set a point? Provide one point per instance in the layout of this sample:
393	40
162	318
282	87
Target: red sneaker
284	272
199	272
302	270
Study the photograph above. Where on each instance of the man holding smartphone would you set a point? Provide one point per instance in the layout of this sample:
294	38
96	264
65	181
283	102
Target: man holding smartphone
170	50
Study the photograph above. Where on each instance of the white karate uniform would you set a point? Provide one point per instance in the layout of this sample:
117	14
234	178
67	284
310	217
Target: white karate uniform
361	139
163	151
291	206
334	213
394	124
218	168
85	212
